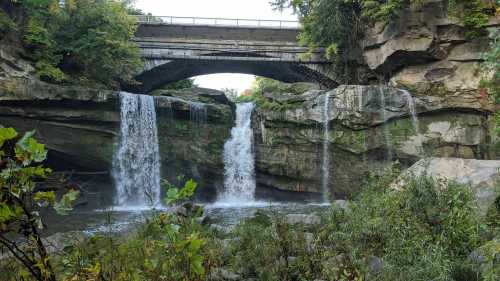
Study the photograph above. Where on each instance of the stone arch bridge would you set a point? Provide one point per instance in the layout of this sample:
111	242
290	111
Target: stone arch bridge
176	48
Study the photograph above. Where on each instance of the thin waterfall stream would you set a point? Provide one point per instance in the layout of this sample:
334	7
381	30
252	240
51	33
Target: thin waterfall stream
136	165
413	110
385	125
239	161
325	161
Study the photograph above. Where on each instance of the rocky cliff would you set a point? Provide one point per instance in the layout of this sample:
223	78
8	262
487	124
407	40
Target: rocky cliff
79	127
423	62
420	96
369	127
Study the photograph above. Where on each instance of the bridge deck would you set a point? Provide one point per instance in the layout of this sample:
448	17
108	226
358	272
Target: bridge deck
223	22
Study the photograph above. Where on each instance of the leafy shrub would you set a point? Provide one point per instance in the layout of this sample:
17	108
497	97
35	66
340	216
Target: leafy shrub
421	233
424	232
179	85
21	165
338	25
270	249
264	85
6	23
166	247
85	39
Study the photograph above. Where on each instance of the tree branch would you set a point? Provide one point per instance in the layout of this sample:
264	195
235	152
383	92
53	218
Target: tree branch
14	250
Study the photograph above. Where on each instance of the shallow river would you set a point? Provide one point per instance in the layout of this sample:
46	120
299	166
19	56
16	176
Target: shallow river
117	220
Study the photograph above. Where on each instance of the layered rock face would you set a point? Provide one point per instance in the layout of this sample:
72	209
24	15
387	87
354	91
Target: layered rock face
80	126
369	127
425	54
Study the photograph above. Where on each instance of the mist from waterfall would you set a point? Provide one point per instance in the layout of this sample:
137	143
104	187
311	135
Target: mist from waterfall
136	165
239	161
325	161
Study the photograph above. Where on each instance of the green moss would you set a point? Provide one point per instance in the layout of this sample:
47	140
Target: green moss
6	23
265	85
474	14
355	140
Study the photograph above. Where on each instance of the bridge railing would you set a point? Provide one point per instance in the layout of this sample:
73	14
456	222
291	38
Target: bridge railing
282	24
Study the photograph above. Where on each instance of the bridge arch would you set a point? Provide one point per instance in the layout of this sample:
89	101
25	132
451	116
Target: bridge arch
166	72
174	51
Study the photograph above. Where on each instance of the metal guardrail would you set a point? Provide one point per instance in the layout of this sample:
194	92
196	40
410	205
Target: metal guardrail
280	24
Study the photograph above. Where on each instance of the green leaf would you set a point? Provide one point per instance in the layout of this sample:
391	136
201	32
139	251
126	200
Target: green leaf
195	245
197	265
45	199
28	150
7	134
172	196
6	213
65	204
188	190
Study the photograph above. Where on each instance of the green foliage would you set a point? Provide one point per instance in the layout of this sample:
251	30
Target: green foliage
492	64
84	39
491	252
176	195
422	233
181	84
338	25
6	23
231	94
264	86
426	231
474	14
166	247
21	164
383	10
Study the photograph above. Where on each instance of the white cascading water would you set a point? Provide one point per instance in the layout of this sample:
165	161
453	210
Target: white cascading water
325	162
198	112
136	165
413	110
239	170
385	125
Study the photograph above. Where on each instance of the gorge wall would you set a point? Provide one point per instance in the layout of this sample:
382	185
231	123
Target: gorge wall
425	53
80	128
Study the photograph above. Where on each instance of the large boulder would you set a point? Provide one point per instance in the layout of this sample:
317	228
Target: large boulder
483	176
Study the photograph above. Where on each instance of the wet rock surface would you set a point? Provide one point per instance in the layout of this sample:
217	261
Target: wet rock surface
79	127
369	126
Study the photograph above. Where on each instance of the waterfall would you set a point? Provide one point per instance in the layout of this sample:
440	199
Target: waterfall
198	112
325	162
412	108
385	125
239	171
136	165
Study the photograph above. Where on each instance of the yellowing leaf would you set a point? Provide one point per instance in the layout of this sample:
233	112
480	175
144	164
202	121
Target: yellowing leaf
7	134
45	199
